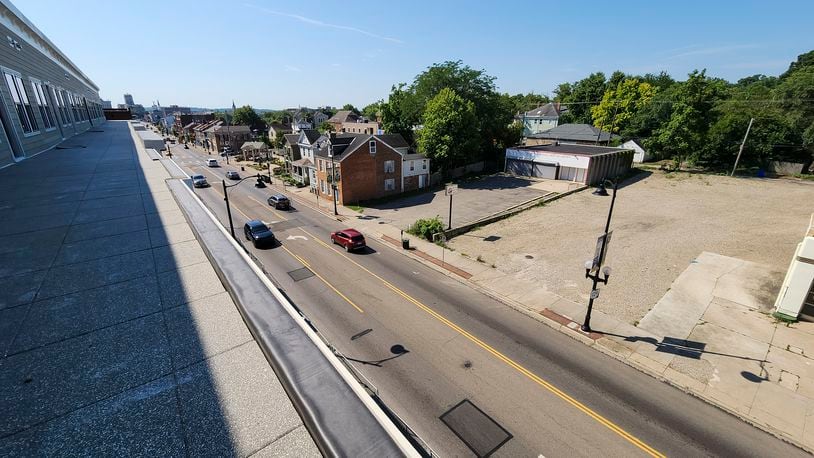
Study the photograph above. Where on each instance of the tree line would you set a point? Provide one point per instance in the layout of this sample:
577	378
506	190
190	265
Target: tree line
455	114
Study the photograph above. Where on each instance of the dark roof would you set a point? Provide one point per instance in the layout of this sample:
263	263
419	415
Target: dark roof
292	139
341	143
344	116
394	140
279	127
549	110
575	132
311	134
572	148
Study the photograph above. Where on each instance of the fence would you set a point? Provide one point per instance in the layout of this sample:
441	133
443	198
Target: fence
437	177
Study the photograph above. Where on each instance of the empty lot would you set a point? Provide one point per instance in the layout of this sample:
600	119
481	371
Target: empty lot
661	222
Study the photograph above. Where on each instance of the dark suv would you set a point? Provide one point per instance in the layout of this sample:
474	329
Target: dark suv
280	202
258	233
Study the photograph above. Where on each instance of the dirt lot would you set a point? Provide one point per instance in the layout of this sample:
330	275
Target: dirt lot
661	222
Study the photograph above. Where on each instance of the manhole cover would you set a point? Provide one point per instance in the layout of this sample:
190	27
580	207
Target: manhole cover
301	274
476	429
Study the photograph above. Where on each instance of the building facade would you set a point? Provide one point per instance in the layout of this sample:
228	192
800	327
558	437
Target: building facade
44	97
570	162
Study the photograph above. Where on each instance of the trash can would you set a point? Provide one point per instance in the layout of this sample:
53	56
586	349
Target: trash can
405	244
242	169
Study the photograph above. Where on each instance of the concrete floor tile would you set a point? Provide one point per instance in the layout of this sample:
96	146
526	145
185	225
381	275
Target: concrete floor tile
25	225
87	231
188	284
649	364
727	342
21	262
168	218
780	408
10	322
99	215
105	202
204	328
111	192
175	256
103	247
790	336
233	404
39	211
137	422
741	319
684	380
62	317
20	289
33	240
295	444
93	274
42	384
159	206
167	235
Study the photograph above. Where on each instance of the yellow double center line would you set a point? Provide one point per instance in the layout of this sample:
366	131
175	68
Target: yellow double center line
553	389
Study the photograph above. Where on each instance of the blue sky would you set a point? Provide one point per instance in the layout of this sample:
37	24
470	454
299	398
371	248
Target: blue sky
273	54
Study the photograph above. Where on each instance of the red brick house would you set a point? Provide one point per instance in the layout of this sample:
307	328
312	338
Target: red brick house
368	167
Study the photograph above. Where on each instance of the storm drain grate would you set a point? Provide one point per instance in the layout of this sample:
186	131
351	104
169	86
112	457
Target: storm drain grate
301	274
476	429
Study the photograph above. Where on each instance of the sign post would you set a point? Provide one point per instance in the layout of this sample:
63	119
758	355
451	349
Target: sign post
601	249
450	190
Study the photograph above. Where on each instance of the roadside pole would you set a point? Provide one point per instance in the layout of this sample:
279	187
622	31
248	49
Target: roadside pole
450	190
751	120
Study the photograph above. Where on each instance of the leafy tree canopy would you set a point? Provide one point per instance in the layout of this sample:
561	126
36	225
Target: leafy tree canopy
449	123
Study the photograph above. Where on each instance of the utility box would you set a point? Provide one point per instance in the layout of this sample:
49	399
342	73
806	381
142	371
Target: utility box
798	286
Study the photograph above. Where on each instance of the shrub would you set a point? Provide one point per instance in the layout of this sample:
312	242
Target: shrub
426	227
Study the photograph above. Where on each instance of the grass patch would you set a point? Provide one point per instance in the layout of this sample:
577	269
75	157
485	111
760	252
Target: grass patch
356	208
804	176
426	228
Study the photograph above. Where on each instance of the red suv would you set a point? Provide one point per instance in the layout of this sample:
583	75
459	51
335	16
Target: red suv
350	239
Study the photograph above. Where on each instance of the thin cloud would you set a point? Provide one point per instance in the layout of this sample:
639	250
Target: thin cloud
712	51
291	68
318	23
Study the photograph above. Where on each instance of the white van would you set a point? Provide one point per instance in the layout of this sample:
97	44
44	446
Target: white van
212	162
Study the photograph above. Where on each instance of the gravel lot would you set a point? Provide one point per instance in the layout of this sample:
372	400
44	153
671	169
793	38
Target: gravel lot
661	222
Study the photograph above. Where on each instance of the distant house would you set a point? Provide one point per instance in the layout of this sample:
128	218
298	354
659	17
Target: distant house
585	134
319	118
254	150
361	126
639	153
541	119
228	135
276	129
303	169
585	164
341	117
291	154
367	167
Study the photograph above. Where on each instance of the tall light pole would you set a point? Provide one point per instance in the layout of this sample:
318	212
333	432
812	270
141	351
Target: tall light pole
593	267
226	198
334	187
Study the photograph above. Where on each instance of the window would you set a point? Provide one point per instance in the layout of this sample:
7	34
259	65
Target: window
389	184
59	96
372	147
320	165
412	165
424	165
322	186
42	102
23	107
389	166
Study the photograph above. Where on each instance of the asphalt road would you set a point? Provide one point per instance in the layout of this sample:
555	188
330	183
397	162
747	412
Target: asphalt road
429	342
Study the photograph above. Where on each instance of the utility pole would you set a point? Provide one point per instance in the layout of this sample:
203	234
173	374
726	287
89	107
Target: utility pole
737	159
334	187
228	209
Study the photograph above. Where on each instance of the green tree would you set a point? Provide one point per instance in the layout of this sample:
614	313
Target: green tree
246	116
580	96
326	127
350	107
448	133
373	111
620	104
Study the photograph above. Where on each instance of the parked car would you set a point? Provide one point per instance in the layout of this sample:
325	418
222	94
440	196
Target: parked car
258	233
279	202
212	163
199	181
232	175
349	239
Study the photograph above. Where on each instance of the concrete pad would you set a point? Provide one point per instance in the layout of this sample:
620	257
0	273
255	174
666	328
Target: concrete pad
648	363
21	262
188	284
25	225
781	408
729	343
232	404
168	218
684	381
789	336
538	298
104	202
160	206
204	328
98	215
34	212
168	235
10	322
738	378
112	192
62	317
568	309
738	402
175	256
699	371
740	318
103	247
93	274
33	240
133	423
42	384
295	444
750	284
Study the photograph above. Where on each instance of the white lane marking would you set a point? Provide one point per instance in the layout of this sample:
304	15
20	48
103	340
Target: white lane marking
297	237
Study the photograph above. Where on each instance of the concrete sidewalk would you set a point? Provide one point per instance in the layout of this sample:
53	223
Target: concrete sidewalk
710	335
116	334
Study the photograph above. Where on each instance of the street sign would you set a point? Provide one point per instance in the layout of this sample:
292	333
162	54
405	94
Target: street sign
594	294
439	237
597	254
450	190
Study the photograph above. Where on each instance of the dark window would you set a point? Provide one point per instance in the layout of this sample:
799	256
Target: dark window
21	103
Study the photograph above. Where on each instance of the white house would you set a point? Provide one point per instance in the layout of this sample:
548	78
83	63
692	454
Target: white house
639	153
541	119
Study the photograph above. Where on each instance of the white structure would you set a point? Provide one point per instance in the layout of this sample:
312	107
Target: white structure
639	153
150	139
319	118
567	161
798	286
541	119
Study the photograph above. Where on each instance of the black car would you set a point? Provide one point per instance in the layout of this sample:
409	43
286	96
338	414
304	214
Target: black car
280	202
258	233
232	175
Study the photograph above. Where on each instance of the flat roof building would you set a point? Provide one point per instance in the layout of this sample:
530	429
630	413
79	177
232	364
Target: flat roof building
44	97
568	161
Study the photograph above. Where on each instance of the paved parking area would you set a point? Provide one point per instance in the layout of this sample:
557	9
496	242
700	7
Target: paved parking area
472	201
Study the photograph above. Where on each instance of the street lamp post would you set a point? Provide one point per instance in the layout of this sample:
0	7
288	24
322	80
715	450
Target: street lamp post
593	267
333	176
226	198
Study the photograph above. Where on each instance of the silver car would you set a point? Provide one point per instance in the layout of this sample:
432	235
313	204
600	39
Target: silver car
199	181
